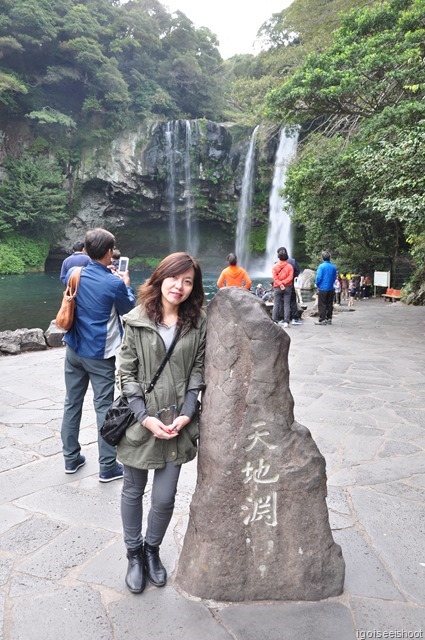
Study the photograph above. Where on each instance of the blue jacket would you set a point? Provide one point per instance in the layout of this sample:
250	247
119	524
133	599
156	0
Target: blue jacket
101	298
75	260
295	265
325	276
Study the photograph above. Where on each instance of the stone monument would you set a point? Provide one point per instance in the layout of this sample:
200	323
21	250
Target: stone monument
258	526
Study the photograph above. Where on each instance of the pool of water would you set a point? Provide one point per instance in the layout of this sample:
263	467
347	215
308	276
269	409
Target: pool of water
32	300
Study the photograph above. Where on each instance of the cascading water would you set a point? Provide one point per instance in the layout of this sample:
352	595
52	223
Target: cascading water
178	143
279	232
192	240
242	228
170	135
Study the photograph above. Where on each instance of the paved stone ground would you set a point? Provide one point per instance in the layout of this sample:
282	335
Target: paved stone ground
359	386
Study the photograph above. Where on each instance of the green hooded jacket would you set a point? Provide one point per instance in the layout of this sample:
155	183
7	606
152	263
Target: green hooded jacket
142	351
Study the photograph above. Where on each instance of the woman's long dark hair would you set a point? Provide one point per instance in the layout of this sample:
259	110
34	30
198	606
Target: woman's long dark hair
149	294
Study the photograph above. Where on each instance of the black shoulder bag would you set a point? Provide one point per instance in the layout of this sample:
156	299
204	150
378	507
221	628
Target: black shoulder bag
119	415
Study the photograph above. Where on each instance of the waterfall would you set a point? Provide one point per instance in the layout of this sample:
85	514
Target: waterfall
178	143
279	231
242	228
170	135
192	240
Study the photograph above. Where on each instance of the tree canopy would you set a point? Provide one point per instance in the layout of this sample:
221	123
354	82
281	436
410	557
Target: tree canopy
285	39
104	61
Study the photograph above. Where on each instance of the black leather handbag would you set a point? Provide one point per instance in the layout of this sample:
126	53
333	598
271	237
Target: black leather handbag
118	418
119	415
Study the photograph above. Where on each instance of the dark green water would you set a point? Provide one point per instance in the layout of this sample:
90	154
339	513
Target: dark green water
31	301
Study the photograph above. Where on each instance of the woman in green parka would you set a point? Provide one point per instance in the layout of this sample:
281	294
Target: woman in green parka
166	431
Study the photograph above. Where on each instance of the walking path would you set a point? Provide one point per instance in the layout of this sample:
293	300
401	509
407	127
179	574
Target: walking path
358	385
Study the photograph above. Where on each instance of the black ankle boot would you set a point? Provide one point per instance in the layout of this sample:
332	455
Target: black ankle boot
136	576
154	568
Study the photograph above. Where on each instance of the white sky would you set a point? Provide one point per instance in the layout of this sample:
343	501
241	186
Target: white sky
235	22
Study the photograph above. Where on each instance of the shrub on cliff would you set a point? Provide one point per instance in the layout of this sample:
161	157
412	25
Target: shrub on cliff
32	197
20	255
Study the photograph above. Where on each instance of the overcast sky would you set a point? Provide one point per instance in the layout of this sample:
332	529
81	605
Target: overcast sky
235	22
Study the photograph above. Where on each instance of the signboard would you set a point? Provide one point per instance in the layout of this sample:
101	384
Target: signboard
381	278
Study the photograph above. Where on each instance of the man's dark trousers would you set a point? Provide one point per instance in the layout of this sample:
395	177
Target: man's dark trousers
294	305
325	304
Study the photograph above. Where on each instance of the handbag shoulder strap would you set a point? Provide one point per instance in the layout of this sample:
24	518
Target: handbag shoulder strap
74	281
164	362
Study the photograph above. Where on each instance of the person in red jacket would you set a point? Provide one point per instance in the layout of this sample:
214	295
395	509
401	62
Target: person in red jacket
283	276
234	276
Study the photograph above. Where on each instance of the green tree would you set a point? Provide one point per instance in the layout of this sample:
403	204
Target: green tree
330	196
305	23
79	21
375	56
285	40
51	116
32	22
9	45
190	68
395	172
32	198
10	83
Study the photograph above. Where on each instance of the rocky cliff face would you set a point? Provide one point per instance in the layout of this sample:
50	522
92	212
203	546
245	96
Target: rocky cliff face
164	187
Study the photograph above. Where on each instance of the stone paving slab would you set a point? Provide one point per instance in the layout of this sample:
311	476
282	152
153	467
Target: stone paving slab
163	614
383	616
373	581
66	613
301	621
388	522
358	385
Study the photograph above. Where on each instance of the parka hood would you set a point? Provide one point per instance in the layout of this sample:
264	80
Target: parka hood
137	318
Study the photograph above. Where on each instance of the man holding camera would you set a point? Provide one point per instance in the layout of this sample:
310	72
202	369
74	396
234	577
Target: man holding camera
91	346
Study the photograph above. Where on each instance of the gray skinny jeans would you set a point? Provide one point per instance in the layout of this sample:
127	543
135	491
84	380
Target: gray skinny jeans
164	488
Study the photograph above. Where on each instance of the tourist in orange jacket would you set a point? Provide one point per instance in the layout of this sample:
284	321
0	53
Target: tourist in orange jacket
234	276
283	276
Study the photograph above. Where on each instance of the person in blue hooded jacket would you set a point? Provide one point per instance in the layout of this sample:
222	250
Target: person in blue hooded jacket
325	278
92	344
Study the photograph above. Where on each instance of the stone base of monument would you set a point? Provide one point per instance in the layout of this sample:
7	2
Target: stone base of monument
258	526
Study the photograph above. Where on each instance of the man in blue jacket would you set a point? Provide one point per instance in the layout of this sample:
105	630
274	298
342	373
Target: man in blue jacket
78	258
325	278
91	346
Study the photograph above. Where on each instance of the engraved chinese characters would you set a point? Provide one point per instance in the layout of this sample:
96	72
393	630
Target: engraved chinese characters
258	526
264	506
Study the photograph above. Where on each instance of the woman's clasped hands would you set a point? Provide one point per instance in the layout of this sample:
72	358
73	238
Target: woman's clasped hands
163	431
